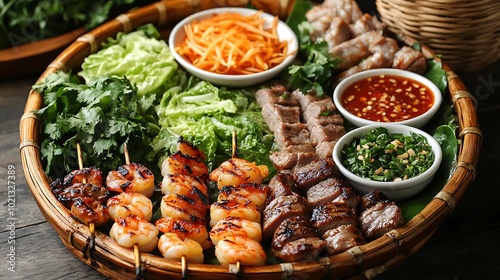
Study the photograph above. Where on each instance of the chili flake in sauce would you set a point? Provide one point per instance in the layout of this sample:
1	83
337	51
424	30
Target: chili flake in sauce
387	98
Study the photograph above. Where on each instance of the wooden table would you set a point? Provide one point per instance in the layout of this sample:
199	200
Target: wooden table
467	246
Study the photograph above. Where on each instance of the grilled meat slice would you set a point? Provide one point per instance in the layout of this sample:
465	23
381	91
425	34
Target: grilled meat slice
309	175
380	219
366	23
325	191
331	132
319	108
355	50
371	199
282	208
275	115
302	249
275	95
281	184
332	215
294	155
342	238
325	149
324	120
292	229
288	134
304	99
409	59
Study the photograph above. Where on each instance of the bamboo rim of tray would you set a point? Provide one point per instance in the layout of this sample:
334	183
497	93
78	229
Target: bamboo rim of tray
465	32
116	262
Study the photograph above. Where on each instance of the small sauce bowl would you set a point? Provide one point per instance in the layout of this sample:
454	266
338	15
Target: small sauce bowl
387	95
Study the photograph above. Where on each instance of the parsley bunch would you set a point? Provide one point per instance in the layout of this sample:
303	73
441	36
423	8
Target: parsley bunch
101	116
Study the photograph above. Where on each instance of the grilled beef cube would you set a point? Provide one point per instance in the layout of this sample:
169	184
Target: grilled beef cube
304	99
333	118
275	115
349	197
275	95
331	132
294	155
409	59
325	149
282	208
371	199
319	108
292	229
291	134
332	215
342	238
281	184
325	191
303	249
380	219
309	175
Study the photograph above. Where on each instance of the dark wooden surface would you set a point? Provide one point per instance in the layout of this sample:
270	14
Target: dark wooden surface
466	246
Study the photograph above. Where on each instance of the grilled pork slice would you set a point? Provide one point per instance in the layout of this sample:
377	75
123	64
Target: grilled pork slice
380	219
325	191
309	175
304	99
319	108
338	32
275	115
288	134
282	208
292	229
371	199
302	249
332	215
325	149
355	50
331	132
409	59
275	95
343	238
281	184
366	23
294	155
334	118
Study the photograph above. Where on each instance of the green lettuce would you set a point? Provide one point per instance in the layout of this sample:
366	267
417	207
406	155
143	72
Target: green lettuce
140	56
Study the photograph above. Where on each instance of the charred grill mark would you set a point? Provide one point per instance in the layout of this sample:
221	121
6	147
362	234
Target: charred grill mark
125	186
201	195
122	170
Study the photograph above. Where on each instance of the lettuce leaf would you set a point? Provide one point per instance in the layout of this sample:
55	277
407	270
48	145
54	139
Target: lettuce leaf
140	56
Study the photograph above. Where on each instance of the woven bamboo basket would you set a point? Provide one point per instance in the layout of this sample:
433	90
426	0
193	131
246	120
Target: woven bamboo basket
115	262
465	32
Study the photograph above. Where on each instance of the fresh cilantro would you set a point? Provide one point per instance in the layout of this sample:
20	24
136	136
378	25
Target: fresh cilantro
318	69
101	116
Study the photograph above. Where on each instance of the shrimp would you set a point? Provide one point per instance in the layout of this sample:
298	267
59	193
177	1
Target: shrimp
236	171
232	226
195	230
90	175
124	204
189	149
131	230
189	186
179	163
132	177
232	208
172	247
178	206
89	211
240	248
257	193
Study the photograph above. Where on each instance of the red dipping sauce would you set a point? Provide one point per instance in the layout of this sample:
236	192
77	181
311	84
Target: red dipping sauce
387	98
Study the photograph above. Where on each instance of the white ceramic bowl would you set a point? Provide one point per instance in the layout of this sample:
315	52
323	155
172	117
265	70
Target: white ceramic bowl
284	33
417	121
394	190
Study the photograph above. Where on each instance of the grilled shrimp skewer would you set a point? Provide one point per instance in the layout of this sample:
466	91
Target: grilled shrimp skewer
184	205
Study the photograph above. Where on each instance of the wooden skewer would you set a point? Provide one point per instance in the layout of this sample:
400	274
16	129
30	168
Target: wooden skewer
137	256
233	155
91	225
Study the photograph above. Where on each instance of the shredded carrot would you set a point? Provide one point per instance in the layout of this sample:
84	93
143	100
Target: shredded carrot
231	43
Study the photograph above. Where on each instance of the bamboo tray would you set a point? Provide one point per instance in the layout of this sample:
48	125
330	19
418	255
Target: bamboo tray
115	262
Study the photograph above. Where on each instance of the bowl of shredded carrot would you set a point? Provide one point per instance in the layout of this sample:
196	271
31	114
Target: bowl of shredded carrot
234	47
